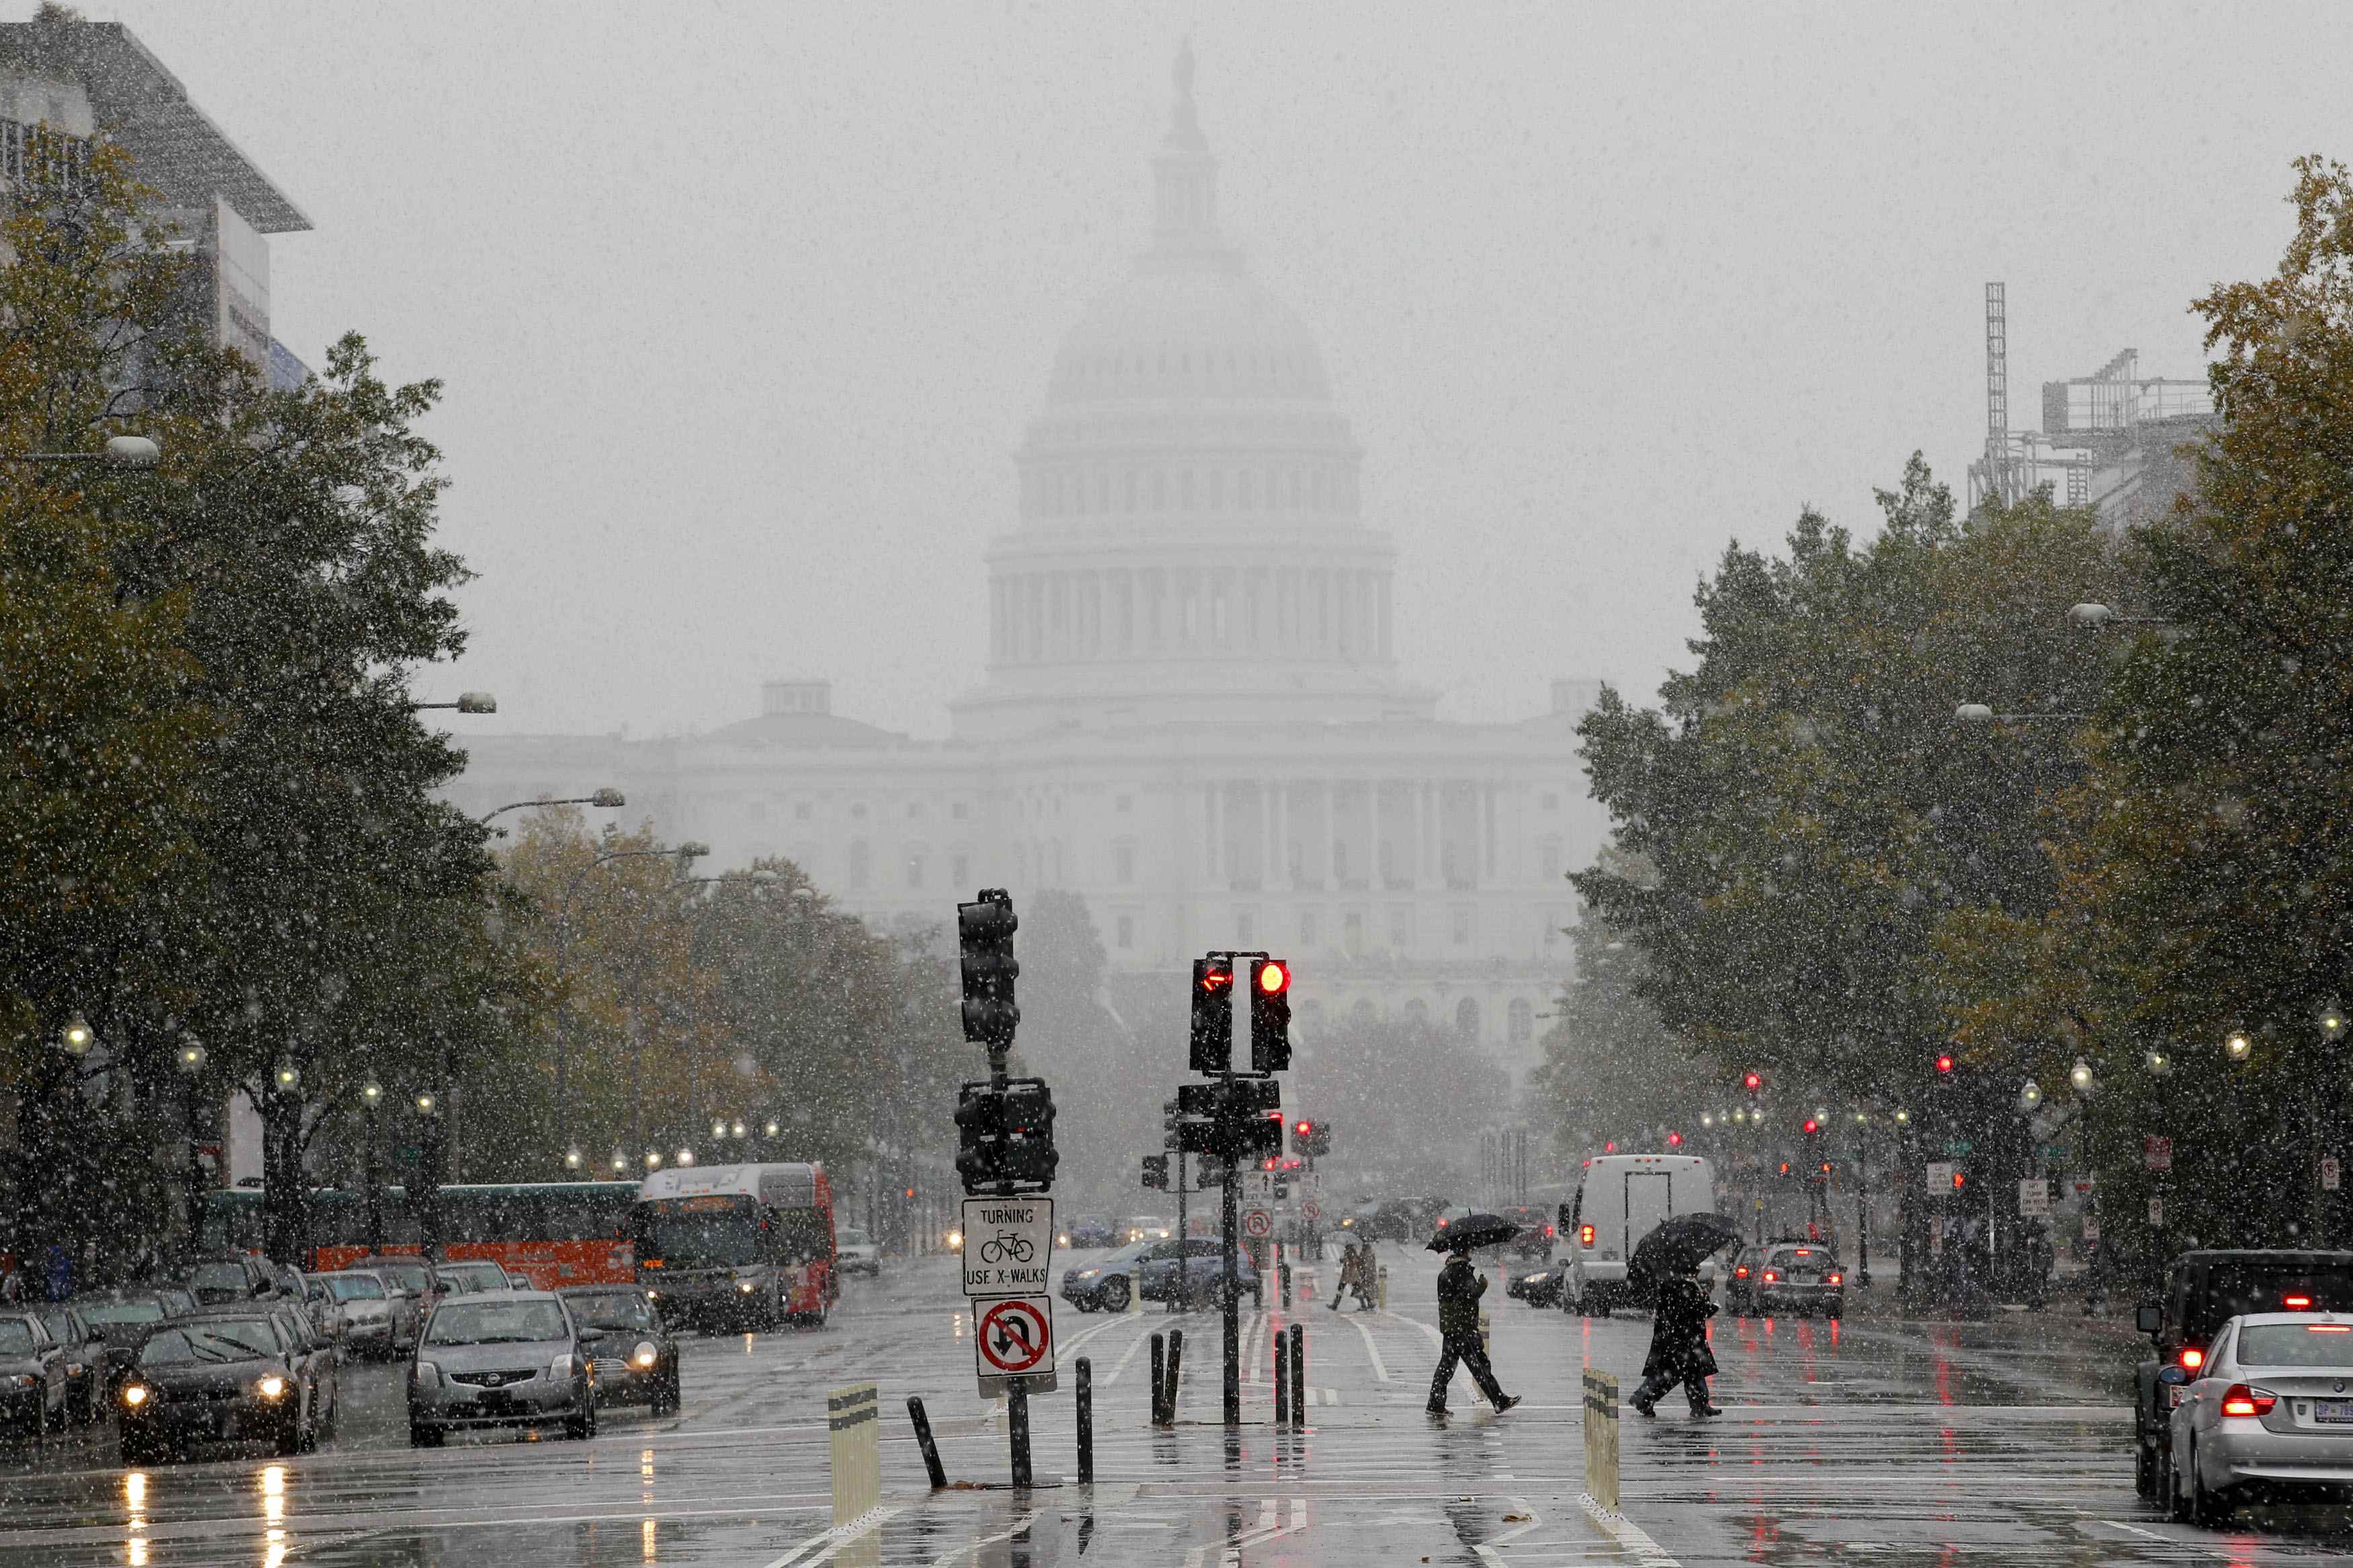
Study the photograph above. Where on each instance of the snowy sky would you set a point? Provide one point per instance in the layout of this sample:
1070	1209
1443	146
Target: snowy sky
742	307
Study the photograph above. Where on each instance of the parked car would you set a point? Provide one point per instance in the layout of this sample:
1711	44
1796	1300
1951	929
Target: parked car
311	1357
366	1304
516	1359
418	1288
1540	1289
236	1277
638	1363
1091	1230
324	1313
32	1375
2203	1290
1195	1267
2268	1412
1103	1286
224	1375
854	1252
126	1317
84	1343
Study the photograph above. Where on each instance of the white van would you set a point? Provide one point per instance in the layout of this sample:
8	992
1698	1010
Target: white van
1624	1197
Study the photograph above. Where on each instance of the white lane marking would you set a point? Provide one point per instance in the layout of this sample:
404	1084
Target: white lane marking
1137	1344
1487	1549
826	1543
948	1559
1632	1537
1380	1367
1071	1346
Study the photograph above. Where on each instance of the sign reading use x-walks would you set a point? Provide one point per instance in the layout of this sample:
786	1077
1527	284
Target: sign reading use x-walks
1009	1245
1013	1337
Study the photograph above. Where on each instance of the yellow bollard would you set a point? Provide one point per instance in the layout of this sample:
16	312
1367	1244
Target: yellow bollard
1602	1438
853	1423
1134	1288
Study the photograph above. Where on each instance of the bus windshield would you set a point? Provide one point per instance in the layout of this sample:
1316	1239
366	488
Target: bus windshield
685	1233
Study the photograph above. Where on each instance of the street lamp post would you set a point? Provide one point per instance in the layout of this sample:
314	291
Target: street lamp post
120	452
1862	1199
428	1172
371	1178
190	1061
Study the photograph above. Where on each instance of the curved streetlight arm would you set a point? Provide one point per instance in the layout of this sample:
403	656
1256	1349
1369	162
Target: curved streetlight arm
468	702
1978	714
120	452
602	797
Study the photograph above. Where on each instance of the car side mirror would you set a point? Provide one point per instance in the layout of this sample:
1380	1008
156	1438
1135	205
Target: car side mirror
2173	1376
2148	1320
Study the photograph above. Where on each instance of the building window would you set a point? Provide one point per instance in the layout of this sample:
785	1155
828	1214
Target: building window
859	855
1461	925
1416	1011
1126	803
914	811
1340	859
1549	852
1552	921
1307	928
1122	863
1466	1019
801	811
1126	932
1521	1023
960	871
1401	926
1351	932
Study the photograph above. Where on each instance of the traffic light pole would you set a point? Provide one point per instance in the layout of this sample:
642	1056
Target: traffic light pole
1233	1336
1175	1297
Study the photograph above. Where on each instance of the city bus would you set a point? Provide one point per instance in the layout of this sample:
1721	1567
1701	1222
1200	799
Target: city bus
743	1246
555	1232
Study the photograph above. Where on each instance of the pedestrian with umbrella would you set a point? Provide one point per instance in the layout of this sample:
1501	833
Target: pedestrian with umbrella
1665	1266
1460	1286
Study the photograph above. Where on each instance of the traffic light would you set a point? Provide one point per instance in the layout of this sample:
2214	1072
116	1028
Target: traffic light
1269	1015
1172	1117
1813	1126
1752	1081
1945	1068
1006	1139
1674	1139
984	935
1310	1138
1213	1014
1155	1171
1238	1119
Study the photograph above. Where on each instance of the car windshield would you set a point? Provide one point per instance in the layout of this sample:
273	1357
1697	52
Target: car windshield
124	1311
355	1287
241	1338
496	1322
15	1337
229	1277
2295	1345
852	1237
477	1276
614	1309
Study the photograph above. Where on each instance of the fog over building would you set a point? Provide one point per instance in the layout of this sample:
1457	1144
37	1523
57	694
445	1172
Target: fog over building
1190	712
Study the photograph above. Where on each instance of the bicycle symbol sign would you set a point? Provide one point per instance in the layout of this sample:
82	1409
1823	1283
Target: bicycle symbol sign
1015	1337
1008	1245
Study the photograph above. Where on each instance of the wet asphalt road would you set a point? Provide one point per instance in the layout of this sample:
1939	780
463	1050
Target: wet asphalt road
1866	1442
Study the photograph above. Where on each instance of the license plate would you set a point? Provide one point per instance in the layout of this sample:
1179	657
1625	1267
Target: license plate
2333	1410
1805	1279
496	1399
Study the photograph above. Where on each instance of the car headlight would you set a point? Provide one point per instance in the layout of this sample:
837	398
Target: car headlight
270	1388
1085	1274
560	1366
653	1295
644	1355
427	1374
746	1286
1530	1278
134	1394
1062	1241
956	1239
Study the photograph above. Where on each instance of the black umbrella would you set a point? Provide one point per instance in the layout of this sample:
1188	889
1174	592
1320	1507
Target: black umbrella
1473	1230
1677	1245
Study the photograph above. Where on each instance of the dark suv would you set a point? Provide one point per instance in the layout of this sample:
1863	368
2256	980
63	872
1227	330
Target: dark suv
2202	1290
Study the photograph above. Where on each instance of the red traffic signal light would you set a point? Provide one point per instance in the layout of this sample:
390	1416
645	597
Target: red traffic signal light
1674	1139
1274	976
1611	1147
1213	976
1303	1128
1945	1064
1753	1081
1812	1125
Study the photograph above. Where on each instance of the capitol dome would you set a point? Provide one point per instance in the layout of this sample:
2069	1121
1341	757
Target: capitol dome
1189	508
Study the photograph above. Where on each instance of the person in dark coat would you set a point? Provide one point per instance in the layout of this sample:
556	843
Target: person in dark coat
1460	1286
1679	1352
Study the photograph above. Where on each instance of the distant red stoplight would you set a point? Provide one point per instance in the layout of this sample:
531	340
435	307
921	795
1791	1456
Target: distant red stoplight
1674	1139
1812	1125
1611	1147
1945	1066
1753	1081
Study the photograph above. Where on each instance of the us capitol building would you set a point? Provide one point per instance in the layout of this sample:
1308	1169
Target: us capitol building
1190	713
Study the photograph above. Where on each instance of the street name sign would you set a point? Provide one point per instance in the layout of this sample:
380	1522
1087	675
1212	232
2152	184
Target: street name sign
1008	1245
1013	1337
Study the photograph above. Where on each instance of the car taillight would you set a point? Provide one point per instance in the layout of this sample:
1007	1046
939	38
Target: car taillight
1770	1277
2295	1303
1741	1272
1838	1279
2192	1357
2239	1400
1584	1236
1548	1233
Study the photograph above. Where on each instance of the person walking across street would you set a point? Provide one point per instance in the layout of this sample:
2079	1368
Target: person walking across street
1679	1352
1347	1274
1368	1277
1460	1286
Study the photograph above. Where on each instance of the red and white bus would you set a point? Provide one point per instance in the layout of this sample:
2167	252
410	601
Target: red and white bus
743	1245
556	1233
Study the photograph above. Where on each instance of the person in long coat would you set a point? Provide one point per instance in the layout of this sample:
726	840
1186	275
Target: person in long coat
1679	1352
1348	1265
1368	1276
1460	1286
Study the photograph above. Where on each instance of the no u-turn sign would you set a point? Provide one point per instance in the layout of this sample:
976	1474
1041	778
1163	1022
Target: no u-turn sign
1013	1337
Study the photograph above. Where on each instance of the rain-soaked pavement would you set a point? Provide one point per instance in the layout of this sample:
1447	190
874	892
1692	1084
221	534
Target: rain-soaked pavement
1867	1441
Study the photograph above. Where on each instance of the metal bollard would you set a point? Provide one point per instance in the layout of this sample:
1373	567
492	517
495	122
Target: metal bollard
1176	1369
1299	1373
1384	1292
1159	1382
1286	1286
922	1424
1281	1380
1016	1429
1086	1404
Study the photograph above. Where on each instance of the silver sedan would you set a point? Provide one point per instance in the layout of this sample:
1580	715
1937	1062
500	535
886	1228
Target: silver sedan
2271	1410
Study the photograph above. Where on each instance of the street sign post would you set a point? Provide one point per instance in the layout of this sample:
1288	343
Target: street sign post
1008	1245
1013	1342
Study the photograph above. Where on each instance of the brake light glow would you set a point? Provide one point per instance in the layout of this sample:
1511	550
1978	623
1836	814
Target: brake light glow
1838	1279
2241	1400
1584	1236
1804	1252
2295	1303
1548	1233
2192	1357
1770	1277
2328	1329
1741	1272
